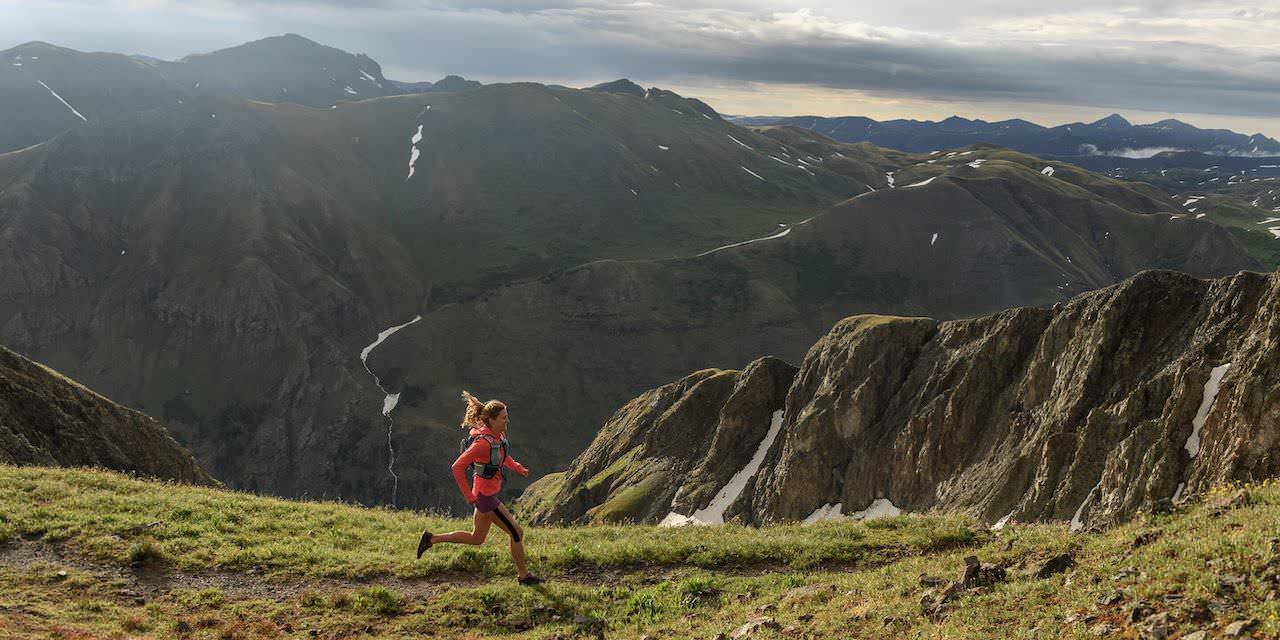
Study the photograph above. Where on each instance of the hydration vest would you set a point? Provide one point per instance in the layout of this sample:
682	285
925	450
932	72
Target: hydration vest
497	455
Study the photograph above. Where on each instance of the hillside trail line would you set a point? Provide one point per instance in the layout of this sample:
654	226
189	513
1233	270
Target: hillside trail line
157	578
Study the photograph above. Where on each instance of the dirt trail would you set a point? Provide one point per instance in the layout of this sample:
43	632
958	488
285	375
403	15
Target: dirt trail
151	579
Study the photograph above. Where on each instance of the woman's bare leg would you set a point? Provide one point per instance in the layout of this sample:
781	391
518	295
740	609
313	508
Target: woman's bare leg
508	524
477	535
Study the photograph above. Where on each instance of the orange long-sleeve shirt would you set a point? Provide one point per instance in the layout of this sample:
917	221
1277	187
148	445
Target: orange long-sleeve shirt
479	452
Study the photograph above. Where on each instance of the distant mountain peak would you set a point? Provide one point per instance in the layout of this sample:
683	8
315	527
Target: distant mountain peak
1018	122
1113	120
454	83
38	47
1111	134
289	42
285	39
621	85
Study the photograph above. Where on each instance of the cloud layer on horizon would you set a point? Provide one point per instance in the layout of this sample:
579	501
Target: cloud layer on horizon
1175	56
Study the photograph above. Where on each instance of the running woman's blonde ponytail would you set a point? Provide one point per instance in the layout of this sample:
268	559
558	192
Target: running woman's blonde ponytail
478	412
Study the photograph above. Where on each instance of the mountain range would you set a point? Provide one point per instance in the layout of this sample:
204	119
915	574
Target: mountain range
1110	136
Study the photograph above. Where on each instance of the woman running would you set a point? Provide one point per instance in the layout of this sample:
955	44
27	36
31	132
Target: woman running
486	456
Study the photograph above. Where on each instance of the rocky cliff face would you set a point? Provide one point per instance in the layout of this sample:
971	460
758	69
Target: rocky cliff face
47	419
671	447
1121	399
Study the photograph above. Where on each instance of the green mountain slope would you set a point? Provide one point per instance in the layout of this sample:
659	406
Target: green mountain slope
49	89
47	419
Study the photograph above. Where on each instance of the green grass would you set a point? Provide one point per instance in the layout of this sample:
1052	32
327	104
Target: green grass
1204	570
103	516
1242	220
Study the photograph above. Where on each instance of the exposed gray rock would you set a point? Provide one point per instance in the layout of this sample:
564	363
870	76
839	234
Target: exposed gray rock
1086	412
1082	412
1239	628
670	449
1056	565
754	626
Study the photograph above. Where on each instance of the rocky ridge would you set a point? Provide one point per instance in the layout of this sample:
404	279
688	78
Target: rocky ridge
49	420
1122	399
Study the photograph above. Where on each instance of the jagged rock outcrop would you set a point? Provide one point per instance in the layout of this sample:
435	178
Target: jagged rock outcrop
1121	399
673	447
47	419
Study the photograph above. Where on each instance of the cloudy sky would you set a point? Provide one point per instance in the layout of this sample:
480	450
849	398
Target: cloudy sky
1210	62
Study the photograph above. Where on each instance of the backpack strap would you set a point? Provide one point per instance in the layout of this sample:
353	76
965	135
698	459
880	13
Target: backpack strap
497	456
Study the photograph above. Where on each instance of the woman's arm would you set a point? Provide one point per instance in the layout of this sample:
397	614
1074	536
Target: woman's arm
477	452
511	464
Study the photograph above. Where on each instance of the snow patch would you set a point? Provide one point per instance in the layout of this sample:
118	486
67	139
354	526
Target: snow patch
753	173
921	183
664	148
714	513
740	143
413	151
64	102
933	240
370	78
1076	523
1048	171
825	512
879	508
1000	524
350	91
389	401
889	178
1210	393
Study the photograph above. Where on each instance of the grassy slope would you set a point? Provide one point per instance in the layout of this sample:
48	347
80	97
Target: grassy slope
1242	219
831	579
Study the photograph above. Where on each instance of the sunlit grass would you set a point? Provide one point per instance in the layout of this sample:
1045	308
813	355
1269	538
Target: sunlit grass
835	579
